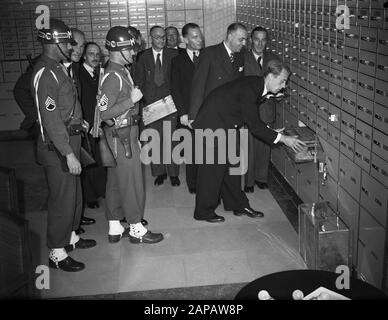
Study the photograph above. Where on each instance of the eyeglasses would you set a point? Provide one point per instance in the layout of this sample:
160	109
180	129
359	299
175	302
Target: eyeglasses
159	38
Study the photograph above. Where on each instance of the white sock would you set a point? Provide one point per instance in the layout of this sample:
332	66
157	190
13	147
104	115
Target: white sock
57	254
74	238
115	227
137	230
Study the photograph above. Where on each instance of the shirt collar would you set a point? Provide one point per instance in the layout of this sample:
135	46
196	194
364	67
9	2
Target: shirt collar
67	64
89	69
256	56
227	49
191	53
155	53
265	91
116	66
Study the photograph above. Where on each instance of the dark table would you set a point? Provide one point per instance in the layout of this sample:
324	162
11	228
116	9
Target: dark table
281	285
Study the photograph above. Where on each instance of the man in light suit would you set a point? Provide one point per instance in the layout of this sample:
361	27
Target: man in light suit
229	107
255	62
218	65
182	71
156	85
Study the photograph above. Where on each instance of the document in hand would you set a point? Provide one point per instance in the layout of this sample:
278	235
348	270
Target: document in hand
158	110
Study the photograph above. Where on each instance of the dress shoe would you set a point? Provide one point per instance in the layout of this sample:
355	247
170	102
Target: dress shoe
175	181
85	221
68	264
192	190
160	179
117	237
248	189
214	219
249	212
262	185
79	231
92	204
144	222
81	244
149	237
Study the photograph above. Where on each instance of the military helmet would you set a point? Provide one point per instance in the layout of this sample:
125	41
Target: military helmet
119	38
58	32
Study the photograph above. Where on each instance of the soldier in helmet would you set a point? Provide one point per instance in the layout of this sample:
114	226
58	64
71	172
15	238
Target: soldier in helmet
58	145
125	194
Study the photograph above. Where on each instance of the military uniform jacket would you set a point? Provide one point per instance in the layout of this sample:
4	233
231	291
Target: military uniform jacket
115	100
55	97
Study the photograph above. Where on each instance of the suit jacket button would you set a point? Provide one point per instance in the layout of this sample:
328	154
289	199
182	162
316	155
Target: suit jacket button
219	78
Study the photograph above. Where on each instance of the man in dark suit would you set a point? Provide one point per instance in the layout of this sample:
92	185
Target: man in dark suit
255	62
227	108
93	177
218	65
152	76
172	35
73	68
182	70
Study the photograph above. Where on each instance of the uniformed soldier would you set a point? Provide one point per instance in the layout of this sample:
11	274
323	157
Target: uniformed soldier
125	193
58	145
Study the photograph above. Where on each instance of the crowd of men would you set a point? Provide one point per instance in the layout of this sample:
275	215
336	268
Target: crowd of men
224	86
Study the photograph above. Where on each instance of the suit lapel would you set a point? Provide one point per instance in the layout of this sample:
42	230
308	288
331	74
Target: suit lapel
225	57
150	63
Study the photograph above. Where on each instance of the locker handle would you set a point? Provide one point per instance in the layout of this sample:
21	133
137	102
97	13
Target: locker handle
365	86
368	39
343	144
351	35
362	243
365	191
353	180
336	61
381	92
363	17
377	143
358	155
350	79
384	68
383	42
375	167
359	131
366	62
375	18
378	202
350	58
308	181
374	255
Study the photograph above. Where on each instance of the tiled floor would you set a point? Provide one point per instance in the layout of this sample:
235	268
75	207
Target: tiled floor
194	253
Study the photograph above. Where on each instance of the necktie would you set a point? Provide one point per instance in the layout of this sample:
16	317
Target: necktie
259	62
95	75
69	71
195	58
231	57
158	76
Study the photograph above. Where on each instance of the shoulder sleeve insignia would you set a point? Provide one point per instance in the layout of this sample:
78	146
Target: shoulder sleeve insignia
50	104
104	103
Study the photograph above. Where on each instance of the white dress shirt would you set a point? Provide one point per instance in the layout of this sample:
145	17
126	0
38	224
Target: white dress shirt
191	53
89	69
155	53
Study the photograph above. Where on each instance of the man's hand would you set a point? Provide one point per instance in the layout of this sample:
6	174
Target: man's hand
85	125
73	164
294	143
136	94
185	120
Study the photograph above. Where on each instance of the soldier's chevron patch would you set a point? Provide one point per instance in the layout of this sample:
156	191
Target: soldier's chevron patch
104	103
50	104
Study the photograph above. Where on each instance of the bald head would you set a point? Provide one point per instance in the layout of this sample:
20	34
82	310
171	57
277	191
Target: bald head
78	49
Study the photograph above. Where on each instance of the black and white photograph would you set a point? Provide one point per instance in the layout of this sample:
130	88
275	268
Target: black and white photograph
194	155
